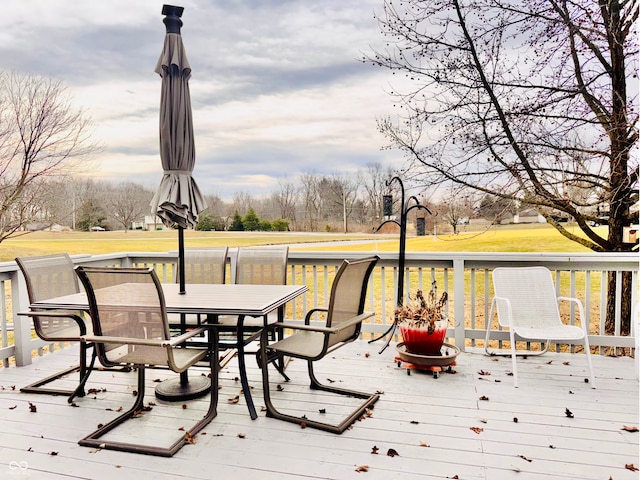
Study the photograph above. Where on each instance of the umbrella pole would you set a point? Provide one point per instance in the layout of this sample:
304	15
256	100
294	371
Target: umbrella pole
181	259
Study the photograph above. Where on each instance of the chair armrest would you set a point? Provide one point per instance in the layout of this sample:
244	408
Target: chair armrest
174	341
581	314
330	330
307	317
57	314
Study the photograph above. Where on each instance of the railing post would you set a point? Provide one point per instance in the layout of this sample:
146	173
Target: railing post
21	324
458	303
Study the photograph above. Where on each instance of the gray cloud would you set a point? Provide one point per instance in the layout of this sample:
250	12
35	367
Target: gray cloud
276	87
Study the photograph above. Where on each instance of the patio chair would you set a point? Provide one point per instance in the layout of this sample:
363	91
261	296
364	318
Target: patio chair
130	328
201	265
51	276
264	265
526	302
342	323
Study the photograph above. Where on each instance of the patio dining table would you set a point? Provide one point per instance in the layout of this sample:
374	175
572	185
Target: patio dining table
210	300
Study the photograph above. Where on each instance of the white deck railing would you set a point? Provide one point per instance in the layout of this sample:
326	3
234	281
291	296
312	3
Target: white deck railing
465	276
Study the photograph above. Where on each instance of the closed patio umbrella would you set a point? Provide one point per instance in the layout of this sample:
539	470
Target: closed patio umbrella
178	201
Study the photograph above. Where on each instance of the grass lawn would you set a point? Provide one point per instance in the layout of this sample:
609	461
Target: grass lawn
507	238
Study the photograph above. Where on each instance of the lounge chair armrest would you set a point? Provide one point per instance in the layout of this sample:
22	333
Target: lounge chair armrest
578	302
58	314
307	317
311	328
150	342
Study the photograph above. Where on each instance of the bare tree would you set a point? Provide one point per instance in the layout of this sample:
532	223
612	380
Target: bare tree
42	136
456	206
128	202
373	180
311	199
528	101
286	200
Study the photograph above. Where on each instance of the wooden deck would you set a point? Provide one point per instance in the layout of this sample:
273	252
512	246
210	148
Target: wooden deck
522	433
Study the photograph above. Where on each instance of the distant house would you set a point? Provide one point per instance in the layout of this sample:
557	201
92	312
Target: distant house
530	215
149	223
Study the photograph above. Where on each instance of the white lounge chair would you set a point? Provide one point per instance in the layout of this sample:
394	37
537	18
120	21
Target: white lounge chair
526	302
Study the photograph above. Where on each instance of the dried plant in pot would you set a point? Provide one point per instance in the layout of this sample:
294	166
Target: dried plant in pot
423	323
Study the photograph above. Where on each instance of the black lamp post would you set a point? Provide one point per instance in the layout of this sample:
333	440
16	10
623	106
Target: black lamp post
387	209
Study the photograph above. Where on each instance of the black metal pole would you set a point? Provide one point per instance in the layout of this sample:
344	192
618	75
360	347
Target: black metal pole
404	210
181	260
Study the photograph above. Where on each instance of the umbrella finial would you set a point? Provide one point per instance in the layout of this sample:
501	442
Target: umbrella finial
172	18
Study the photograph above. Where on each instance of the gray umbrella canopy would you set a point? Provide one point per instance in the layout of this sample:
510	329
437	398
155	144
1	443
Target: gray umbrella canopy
178	201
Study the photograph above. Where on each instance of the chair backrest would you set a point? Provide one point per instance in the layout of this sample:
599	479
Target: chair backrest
204	265
348	294
50	276
125	303
532	295
262	265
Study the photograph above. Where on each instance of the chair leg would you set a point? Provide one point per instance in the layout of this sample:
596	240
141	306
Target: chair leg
369	400
94	439
83	371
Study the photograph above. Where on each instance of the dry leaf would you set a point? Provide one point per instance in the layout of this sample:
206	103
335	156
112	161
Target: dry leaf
374	450
626	428
549	362
566	363
303	425
392	453
478	430
631	466
366	355
242	435
525	458
322	410
484	397
483	372
279	388
32	407
235	399
53	454
181	429
184	406
424	444
13	408
362	468
190	440
568	413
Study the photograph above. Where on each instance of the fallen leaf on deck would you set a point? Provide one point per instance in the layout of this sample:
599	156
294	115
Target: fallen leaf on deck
631	466
235	399
279	388
242	435
32	407
184	406
330	380
525	458
515	419
366	355
483	372
362	468
568	413
181	429
477	430
483	420
415	422
53	454
424	444
484	397
549	362
190	440
626	428
374	450
566	363
13	408
322	410
392	453
95	390
552	446
303	425
74	404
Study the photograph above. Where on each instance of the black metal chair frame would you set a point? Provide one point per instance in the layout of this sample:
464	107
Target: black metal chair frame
82	368
269	353
95	439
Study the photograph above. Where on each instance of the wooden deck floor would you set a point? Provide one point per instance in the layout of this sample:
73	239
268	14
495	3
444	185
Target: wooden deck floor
522	433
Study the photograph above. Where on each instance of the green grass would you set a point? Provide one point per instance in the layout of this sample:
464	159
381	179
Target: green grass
508	238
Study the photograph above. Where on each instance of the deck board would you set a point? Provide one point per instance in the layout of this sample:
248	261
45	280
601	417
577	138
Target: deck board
414	411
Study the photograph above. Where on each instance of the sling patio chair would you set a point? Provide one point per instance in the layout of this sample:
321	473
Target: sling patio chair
130	327
256	265
50	276
342	323
526	302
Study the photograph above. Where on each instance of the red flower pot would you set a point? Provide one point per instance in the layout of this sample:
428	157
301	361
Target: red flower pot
420	341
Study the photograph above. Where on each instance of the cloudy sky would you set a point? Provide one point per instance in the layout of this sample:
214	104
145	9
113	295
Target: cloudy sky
276	87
